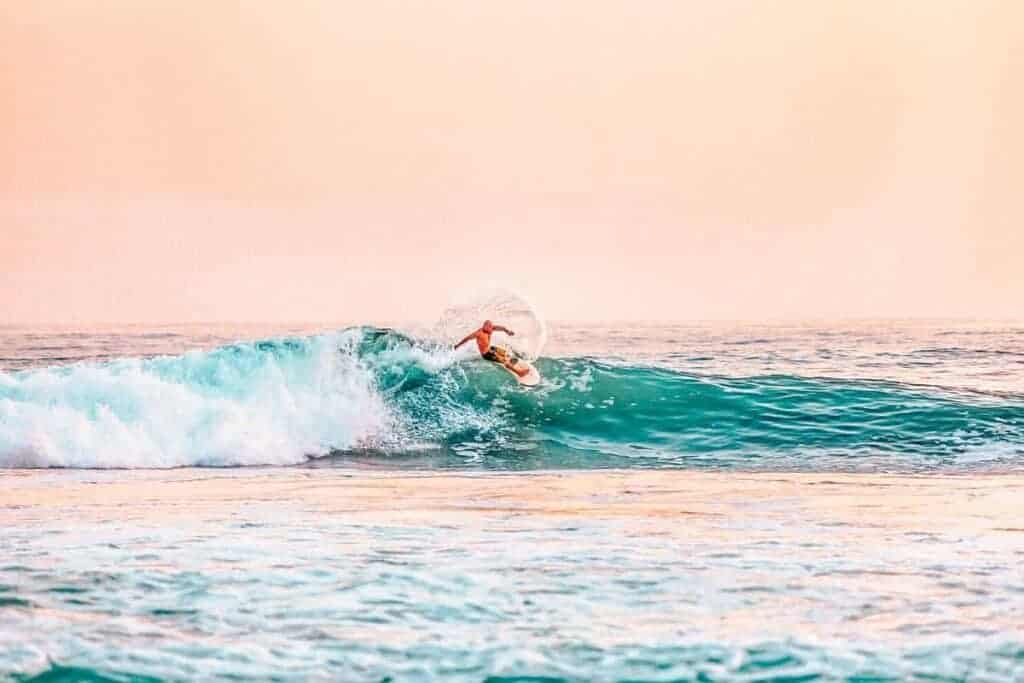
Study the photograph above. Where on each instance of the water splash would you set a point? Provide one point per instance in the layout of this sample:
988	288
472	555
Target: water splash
503	307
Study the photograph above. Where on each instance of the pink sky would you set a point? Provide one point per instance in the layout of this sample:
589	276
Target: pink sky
270	161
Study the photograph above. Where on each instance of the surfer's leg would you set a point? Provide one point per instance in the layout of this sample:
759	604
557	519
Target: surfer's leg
522	372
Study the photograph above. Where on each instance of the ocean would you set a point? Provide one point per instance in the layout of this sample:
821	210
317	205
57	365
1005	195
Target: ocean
675	502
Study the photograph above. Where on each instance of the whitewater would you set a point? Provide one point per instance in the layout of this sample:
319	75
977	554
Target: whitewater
675	502
924	396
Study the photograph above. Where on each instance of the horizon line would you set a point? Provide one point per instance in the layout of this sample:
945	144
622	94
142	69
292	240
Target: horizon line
556	320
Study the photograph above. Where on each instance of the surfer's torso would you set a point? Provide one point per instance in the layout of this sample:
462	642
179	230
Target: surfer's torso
483	342
495	354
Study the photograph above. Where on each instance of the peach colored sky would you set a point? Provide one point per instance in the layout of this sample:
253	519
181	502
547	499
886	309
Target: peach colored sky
174	161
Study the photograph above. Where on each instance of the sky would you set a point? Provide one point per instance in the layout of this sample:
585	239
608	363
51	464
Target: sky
168	161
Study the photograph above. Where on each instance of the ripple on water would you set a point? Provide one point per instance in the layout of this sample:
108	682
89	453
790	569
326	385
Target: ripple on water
411	585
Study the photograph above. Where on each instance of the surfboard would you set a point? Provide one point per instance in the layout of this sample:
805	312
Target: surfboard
530	379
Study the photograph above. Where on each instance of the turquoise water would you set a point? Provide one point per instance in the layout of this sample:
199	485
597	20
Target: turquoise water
369	576
675	503
794	399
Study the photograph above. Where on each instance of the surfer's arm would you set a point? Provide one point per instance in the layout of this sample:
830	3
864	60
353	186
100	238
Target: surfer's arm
507	331
468	337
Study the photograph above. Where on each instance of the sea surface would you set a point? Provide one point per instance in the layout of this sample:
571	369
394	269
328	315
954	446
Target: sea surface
675	502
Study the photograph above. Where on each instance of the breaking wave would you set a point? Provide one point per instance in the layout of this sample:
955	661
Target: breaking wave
375	391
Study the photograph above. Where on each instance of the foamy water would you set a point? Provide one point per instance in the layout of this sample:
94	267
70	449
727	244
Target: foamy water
613	575
919	398
690	502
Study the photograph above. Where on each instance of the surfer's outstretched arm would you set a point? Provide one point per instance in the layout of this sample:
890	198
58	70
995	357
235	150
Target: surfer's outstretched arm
468	337
502	328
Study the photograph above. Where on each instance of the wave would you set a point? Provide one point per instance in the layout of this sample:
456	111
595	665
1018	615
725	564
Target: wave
273	402
365	392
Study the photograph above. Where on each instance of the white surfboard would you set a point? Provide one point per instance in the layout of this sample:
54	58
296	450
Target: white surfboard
530	379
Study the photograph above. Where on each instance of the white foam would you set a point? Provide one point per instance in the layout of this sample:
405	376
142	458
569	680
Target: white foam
243	405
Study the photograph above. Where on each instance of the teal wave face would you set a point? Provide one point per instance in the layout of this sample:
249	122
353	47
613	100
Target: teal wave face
370	392
605	414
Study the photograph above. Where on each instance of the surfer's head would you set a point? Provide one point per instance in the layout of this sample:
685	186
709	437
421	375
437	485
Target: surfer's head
488	326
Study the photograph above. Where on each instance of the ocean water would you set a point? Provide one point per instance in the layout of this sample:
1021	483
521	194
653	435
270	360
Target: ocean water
866	397
704	502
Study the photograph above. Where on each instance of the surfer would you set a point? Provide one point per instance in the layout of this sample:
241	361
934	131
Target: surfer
495	354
